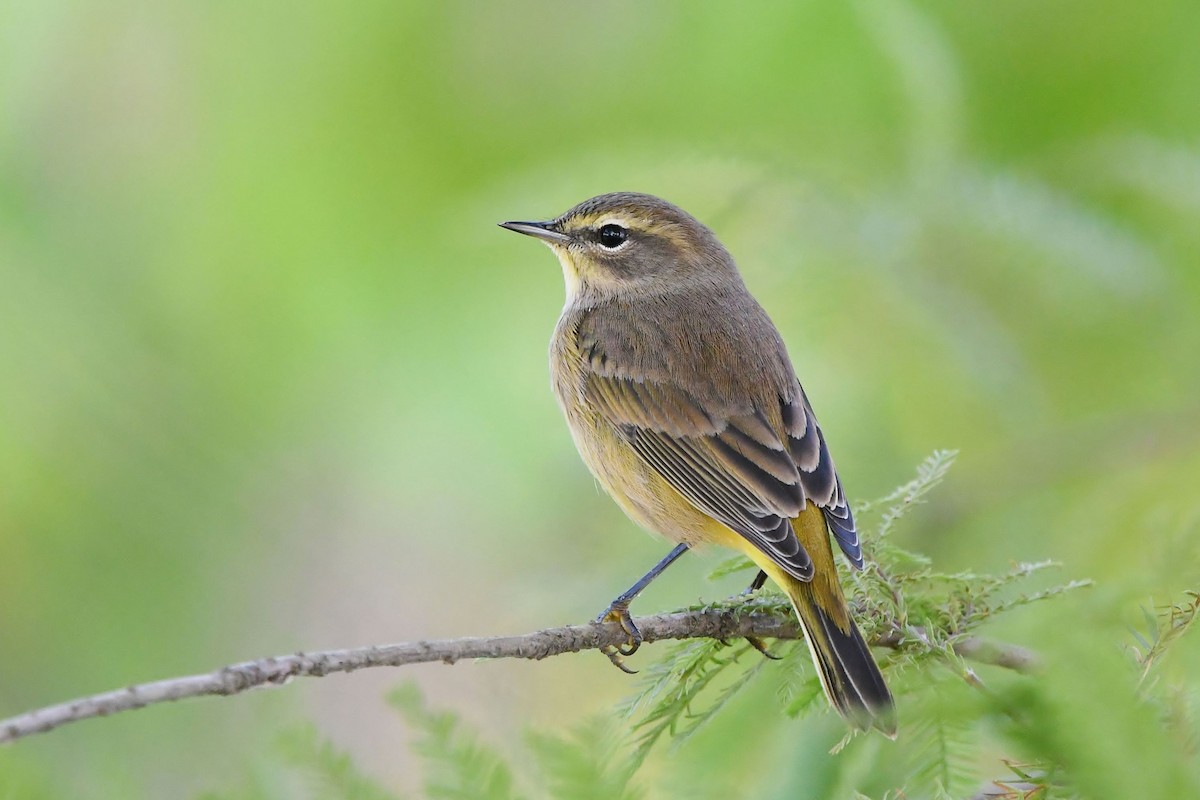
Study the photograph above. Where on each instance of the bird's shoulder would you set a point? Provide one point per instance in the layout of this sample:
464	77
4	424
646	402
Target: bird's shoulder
719	346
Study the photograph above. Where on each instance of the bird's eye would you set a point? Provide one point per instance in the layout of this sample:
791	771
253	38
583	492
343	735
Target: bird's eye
612	236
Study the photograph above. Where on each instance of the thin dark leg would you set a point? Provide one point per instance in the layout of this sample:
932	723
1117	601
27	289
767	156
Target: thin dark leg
759	581
627	596
618	610
758	644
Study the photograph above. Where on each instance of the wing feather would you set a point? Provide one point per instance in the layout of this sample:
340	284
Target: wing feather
750	467
806	444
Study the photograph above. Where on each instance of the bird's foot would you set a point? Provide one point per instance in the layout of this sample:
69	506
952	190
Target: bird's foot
761	646
619	612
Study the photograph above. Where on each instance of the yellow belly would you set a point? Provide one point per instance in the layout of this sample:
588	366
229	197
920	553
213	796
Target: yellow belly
644	495
638	489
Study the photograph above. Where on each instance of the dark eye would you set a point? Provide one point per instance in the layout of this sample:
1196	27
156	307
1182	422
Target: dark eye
612	236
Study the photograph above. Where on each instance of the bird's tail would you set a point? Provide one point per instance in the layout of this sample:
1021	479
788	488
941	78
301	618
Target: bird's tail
848	672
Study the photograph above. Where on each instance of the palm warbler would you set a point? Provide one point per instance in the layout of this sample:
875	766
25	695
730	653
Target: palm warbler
683	403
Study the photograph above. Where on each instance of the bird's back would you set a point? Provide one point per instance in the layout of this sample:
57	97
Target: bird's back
719	345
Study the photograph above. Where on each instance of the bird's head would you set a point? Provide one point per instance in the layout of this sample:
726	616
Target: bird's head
624	241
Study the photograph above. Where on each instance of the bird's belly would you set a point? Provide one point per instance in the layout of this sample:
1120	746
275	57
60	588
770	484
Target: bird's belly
637	488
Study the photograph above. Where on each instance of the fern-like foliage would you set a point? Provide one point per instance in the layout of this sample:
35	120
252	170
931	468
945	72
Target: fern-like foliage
1162	629
1172	736
329	771
586	763
1027	781
900	598
948	741
458	766
941	747
305	767
669	703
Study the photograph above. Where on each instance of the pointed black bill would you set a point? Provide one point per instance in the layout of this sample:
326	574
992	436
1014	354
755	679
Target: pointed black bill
540	230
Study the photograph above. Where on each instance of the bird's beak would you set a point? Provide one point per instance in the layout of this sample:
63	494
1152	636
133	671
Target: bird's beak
541	230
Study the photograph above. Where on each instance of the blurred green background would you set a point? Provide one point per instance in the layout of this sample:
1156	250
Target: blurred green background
273	380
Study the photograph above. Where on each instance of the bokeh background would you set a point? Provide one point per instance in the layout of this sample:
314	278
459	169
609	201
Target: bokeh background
273	380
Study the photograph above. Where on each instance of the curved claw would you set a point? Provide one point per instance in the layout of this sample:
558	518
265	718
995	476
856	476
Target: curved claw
761	646
628	649
615	657
619	612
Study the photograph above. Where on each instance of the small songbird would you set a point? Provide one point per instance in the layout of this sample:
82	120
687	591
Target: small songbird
683	402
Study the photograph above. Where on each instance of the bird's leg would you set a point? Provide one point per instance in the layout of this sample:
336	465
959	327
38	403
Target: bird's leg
758	644
618	610
759	581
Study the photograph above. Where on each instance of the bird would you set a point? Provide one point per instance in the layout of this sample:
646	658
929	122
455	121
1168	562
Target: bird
683	403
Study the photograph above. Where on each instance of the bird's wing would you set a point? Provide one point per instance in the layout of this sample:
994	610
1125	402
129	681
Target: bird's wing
751	468
818	475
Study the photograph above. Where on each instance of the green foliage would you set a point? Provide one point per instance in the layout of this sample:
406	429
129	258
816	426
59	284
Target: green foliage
667	705
1162	629
964	725
586	763
941	744
1104	725
458	767
1027	782
305	767
900	598
947	711
331	771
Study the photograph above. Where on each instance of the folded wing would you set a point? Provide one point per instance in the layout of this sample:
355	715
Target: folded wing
750	467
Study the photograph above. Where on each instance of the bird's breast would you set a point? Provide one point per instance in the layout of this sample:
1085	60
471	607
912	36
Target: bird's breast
643	494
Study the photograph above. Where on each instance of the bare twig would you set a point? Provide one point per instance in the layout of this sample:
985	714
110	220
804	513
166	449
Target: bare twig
722	624
998	654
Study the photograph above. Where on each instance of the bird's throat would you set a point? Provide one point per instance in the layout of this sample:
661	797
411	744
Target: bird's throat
571	277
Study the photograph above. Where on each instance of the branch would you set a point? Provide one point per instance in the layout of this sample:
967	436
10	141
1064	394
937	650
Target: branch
722	624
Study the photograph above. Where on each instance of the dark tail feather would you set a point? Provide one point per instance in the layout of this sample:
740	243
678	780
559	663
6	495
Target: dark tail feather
848	671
